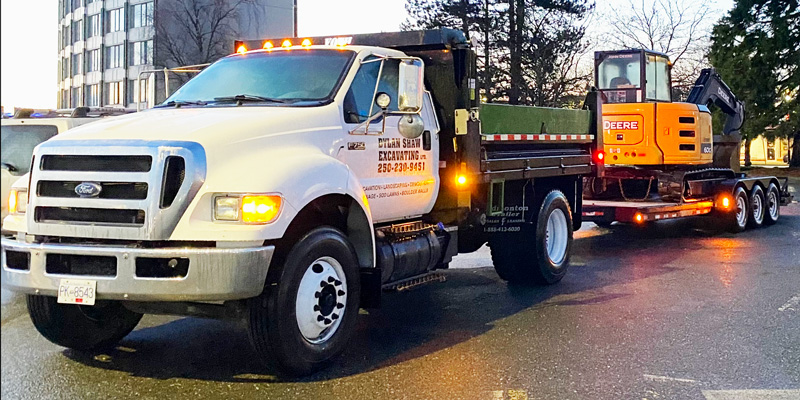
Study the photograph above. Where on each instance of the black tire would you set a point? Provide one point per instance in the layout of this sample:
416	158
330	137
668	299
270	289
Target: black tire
81	327
773	205
273	324
522	257
736	219
757	207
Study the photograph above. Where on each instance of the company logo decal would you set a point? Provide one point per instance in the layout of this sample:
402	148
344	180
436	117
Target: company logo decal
621	125
88	189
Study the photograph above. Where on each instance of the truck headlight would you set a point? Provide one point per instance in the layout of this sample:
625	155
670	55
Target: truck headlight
248	208
18	201
226	208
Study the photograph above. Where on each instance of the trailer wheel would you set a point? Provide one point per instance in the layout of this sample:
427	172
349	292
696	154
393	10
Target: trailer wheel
307	319
544	261
81	327
773	205
758	207
738	216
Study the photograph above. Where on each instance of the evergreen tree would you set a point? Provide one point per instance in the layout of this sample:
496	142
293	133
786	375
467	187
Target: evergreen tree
756	49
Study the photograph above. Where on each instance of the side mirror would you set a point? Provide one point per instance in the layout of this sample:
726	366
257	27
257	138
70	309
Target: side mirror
411	86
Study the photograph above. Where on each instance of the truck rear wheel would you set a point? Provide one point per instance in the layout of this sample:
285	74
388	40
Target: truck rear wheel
539	255
736	219
758	207
303	322
773	205
81	327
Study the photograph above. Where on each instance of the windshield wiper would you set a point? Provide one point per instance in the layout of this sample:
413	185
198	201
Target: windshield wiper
10	167
240	98
178	103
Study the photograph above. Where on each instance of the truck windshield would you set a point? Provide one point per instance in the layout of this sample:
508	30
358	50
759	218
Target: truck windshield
18	142
280	76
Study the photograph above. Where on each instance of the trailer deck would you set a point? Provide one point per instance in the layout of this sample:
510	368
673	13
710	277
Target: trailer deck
602	211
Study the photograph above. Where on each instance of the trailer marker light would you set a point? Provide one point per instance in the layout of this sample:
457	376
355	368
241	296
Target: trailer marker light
268	45
242	49
726	202
461	180
638	217
287	43
306	42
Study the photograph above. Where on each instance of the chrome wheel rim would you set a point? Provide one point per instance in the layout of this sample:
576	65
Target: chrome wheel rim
741	210
773	205
321	300
556	236
758	209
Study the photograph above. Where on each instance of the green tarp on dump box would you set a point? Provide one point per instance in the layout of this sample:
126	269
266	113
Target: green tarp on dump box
497	119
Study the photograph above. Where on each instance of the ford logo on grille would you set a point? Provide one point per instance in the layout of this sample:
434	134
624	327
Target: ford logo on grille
88	189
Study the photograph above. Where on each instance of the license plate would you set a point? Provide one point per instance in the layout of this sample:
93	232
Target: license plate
76	291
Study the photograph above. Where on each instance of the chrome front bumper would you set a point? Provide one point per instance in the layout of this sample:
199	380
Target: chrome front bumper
214	274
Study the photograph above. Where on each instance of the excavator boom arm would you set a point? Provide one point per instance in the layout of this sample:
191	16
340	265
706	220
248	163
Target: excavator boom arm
711	89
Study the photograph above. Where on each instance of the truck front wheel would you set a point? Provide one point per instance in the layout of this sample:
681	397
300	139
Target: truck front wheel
307	318
81	327
539	255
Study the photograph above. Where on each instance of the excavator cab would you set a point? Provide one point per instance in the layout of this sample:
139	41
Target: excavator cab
641	124
633	76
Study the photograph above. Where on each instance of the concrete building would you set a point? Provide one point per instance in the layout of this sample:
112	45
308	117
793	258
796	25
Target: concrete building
105	44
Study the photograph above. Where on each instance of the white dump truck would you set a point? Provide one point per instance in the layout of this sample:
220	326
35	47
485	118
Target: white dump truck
289	184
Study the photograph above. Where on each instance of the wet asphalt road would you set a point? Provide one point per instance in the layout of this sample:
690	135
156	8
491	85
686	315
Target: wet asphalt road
668	312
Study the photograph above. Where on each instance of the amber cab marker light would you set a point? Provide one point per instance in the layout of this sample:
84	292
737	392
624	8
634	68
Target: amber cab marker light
287	43
268	45
12	201
242	49
306	43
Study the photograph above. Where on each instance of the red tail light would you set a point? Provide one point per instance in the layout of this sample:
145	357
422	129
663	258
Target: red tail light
599	156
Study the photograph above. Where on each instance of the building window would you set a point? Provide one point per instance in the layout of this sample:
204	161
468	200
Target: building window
115	57
142	53
93	97
143	14
76	98
65	36
94	26
77	4
64	99
65	68
134	91
77	64
116	92
94	61
116	20
77	30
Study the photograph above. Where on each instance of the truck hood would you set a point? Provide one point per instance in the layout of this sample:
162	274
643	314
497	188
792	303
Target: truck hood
209	126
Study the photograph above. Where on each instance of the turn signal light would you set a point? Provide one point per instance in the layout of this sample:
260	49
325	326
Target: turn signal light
726	202
242	49
260	209
638	217
461	180
17	201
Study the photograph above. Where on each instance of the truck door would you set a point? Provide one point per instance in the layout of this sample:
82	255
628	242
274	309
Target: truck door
399	174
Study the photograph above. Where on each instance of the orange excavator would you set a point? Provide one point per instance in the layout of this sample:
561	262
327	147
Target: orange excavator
660	158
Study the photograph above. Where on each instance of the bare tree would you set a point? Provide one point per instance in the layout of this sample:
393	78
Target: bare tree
196	31
679	28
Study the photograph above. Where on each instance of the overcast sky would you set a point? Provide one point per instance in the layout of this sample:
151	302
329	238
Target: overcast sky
29	29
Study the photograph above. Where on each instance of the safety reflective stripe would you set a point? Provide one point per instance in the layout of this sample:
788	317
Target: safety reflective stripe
528	137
